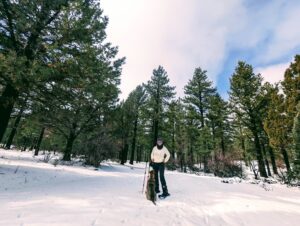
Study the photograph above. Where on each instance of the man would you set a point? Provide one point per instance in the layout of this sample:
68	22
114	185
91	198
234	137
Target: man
159	156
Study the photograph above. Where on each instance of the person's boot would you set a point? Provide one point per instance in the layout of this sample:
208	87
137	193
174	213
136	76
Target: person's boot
165	193
157	190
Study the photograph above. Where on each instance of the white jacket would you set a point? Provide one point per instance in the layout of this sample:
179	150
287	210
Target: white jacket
158	156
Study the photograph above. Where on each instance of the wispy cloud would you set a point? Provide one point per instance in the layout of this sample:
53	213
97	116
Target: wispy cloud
181	35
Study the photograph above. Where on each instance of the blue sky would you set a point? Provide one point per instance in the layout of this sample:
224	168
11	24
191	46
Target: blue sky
181	35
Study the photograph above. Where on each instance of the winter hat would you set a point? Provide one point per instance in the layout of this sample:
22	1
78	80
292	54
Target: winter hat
159	139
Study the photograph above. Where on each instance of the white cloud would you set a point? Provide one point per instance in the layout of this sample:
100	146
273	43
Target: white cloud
286	34
181	35
273	73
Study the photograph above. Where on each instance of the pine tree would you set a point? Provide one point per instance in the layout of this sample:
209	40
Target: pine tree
197	92
137	99
181	137
275	125
125	120
218	121
26	28
159	95
170	126
246	102
291	87
38	38
87	89
195	147
19	116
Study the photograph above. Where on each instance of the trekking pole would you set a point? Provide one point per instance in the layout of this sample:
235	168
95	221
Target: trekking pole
144	177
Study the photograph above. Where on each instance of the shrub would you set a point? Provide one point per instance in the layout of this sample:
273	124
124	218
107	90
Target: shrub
225	167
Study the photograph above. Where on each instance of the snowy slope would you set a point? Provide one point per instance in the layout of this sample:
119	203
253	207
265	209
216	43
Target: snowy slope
33	193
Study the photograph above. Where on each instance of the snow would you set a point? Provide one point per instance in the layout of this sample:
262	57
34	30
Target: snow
34	193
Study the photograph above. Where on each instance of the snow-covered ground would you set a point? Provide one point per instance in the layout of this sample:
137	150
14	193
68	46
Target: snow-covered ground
33	193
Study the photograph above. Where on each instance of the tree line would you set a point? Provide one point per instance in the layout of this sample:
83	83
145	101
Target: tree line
257	125
59	85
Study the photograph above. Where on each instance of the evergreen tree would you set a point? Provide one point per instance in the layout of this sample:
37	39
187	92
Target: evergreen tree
137	99
38	38
22	105
218	121
125	125
197	92
181	137
26	29
81	102
194	144
275	125
291	87
159	95
170	124
247	103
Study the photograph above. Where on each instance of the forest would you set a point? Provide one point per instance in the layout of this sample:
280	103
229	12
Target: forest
59	92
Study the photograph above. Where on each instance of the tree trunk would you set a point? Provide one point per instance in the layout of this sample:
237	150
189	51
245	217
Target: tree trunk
38	145
266	160
223	146
244	152
191	154
25	142
260	158
14	129
173	144
24	146
270	151
213	135
124	154
201	109
272	156
155	130
33	143
268	167
285	158
180	158
145	156
183	162
69	147
205	163
133	141
7	101
139	153
200	164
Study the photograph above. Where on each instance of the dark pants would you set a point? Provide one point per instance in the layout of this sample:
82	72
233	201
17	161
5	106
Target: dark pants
160	168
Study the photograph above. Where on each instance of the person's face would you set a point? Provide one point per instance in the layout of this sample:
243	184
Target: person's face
159	142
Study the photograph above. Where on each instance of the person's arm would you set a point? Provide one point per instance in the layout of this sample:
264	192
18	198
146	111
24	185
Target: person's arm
167	155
